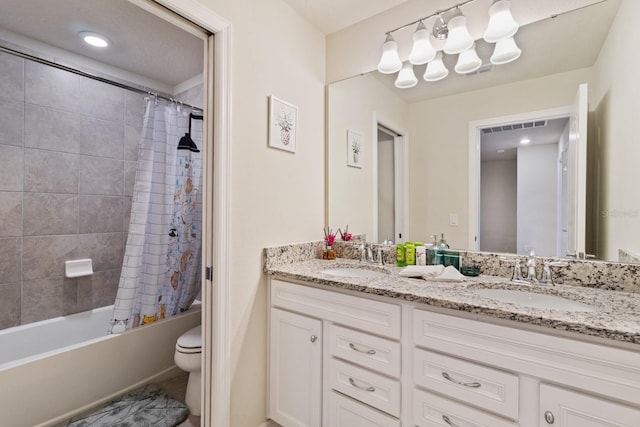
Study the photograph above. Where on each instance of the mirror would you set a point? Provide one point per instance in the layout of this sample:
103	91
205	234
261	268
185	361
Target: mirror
434	171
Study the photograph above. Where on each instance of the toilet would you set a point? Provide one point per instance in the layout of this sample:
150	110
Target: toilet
187	358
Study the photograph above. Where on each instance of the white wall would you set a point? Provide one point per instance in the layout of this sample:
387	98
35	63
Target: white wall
438	153
277	196
498	193
537	199
617	102
353	104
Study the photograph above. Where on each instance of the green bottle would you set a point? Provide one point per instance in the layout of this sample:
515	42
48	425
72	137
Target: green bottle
400	255
432	253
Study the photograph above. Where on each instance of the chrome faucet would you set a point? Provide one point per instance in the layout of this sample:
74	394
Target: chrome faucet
531	267
366	254
547	275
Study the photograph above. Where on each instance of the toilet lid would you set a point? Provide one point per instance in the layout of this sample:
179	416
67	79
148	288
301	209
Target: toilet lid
192	339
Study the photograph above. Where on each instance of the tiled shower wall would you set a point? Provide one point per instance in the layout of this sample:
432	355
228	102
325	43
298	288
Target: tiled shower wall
68	149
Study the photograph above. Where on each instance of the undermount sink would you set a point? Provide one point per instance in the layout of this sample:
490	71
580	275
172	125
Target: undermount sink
531	299
353	272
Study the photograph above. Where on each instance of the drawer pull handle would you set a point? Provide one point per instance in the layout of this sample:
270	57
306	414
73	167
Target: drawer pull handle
353	347
448	421
353	383
472	385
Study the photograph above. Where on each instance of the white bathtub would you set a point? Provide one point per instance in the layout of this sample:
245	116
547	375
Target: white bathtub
52	369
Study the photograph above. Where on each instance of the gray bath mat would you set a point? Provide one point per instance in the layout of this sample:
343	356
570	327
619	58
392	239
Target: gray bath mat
146	406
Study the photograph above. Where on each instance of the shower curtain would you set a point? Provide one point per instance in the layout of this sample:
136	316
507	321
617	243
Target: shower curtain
161	269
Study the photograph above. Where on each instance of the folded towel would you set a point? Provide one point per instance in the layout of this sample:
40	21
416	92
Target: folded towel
424	271
449	274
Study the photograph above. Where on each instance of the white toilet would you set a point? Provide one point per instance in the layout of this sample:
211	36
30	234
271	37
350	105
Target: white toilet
187	358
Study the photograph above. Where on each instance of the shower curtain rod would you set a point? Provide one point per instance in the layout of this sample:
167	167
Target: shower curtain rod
94	77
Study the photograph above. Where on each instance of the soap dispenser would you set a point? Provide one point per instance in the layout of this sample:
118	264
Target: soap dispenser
434	250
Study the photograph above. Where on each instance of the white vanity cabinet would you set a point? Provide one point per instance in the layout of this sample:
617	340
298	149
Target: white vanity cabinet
528	379
339	359
355	358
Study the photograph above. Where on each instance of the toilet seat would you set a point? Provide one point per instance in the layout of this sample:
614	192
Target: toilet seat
191	341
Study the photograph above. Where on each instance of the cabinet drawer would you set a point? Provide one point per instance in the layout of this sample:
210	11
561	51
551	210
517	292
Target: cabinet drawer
346	412
378	317
431	410
379	354
488	388
373	389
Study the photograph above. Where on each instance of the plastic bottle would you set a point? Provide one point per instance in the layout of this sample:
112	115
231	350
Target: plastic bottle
400	255
410	253
421	255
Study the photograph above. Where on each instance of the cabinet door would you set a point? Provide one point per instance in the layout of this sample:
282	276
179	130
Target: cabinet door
295	371
564	408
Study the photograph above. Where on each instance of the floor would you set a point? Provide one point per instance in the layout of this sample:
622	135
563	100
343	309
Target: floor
176	388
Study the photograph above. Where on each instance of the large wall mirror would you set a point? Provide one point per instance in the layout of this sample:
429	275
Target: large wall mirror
441	174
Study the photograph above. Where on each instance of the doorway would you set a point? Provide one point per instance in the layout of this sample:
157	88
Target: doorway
390	190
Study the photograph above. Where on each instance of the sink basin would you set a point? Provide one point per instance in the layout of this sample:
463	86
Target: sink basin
531	299
353	272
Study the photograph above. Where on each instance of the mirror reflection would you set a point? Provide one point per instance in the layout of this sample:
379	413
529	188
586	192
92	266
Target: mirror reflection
430	179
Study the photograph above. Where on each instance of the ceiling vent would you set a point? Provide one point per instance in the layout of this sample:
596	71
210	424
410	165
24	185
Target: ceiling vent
515	126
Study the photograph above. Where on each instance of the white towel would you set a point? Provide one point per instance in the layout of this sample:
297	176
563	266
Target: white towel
424	271
450	274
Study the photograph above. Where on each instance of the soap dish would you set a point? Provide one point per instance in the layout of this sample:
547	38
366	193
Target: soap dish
470	270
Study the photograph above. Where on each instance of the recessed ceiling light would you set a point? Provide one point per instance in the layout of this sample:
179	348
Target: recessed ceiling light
94	39
500	151
525	141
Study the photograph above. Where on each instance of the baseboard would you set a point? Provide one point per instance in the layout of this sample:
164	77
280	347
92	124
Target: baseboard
269	423
160	376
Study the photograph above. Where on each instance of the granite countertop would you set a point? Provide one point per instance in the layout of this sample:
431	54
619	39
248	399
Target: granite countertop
616	315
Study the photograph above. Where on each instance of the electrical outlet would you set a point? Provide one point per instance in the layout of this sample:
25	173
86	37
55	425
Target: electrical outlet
453	219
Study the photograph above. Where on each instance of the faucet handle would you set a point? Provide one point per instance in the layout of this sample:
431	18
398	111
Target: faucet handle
547	275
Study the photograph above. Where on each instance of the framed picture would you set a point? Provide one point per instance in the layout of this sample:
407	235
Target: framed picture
283	123
354	149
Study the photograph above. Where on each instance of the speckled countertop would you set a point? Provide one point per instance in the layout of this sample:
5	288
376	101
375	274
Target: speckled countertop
616	315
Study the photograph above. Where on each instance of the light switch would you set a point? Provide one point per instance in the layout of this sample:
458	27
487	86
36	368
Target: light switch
453	219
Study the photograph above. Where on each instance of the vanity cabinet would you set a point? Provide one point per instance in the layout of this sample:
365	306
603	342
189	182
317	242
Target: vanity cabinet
355	358
339	359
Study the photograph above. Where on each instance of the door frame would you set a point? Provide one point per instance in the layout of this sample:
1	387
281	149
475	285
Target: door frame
216	355
475	136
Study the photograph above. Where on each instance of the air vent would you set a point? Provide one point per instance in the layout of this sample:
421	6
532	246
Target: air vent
515	126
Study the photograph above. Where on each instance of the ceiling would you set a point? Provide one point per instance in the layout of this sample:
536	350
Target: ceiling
330	16
508	141
140	41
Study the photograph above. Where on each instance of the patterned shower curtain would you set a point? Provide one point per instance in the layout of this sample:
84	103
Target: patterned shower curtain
162	262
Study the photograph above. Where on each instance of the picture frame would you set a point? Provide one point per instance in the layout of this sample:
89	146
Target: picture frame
354	149
283	124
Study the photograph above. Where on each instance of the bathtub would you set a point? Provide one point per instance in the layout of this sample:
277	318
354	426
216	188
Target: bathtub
53	369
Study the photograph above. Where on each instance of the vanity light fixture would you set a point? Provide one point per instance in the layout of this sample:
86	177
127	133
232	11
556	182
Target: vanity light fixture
94	39
451	25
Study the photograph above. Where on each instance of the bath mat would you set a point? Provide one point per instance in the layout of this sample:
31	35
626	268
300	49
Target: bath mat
144	407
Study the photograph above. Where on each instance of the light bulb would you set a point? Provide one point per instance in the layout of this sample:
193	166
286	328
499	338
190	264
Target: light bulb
459	38
94	39
390	61
406	77
468	61
501	23
435	69
505	51
422	51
